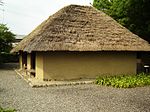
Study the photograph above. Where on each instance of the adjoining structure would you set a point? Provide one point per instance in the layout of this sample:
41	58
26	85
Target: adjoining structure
18	38
81	42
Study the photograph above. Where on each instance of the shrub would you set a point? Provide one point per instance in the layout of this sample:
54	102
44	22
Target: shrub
124	81
7	58
7	110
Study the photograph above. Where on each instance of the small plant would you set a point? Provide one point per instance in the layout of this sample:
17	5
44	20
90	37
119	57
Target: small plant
124	81
7	110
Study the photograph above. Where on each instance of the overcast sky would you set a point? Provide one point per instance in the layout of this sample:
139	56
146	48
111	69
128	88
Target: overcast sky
22	16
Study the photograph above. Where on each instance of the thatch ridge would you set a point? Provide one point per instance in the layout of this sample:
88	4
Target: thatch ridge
81	28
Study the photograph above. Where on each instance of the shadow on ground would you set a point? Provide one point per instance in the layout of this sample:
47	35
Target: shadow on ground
9	66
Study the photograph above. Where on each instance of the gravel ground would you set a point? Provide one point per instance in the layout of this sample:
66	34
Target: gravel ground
16	93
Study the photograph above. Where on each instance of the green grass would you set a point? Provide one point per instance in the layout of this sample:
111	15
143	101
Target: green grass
7	110
124	81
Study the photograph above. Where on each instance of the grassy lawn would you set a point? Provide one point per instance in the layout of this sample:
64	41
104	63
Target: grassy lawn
125	81
7	110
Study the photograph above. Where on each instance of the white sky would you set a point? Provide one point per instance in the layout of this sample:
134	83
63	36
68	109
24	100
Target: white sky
22	16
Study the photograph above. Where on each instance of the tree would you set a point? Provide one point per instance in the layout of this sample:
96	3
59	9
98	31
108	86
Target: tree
6	39
139	17
1	2
133	14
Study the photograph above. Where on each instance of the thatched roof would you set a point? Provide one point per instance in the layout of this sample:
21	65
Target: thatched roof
81	28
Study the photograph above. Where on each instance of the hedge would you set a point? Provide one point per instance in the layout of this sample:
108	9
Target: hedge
8	58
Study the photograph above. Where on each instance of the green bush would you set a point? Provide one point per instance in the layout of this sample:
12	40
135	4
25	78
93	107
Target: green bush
7	110
124	81
7	58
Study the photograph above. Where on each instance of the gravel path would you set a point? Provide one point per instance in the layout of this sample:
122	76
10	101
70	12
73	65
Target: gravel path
16	93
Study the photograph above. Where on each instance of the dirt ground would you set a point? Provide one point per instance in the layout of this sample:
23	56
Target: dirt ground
16	93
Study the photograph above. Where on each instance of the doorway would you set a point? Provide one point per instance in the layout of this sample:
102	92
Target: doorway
33	63
24	60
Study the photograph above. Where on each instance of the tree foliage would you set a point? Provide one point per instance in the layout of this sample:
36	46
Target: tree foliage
133	14
6	39
1	2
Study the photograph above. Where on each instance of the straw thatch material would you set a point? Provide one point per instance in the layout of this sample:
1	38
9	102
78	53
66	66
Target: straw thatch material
81	28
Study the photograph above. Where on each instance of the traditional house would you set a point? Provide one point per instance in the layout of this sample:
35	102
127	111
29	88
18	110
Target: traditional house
80	42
